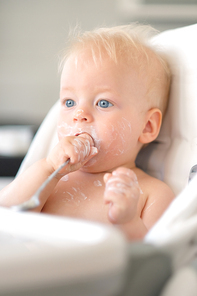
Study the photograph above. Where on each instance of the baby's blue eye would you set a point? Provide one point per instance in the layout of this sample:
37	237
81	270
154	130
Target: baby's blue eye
104	104
69	103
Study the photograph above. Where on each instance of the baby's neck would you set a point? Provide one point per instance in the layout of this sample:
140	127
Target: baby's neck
110	170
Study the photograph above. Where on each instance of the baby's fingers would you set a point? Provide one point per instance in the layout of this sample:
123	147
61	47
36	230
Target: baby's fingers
117	207
81	148
122	194
78	149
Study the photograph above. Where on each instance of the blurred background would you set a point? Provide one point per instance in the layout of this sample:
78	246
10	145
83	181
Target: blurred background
33	34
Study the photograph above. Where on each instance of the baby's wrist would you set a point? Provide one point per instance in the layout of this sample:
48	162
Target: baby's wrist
47	166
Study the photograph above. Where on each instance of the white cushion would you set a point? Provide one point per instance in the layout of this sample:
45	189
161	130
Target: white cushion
171	157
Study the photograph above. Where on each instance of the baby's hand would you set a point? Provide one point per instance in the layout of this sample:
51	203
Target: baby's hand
79	149
122	194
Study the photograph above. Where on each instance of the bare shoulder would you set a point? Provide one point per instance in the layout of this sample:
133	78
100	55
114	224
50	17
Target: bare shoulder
158	197
152	185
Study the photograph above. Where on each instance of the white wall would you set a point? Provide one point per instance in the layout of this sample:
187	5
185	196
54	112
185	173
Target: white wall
32	34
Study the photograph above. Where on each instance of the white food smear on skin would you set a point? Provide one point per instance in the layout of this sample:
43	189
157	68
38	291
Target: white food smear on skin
65	178
77	199
97	183
119	133
84	196
65	129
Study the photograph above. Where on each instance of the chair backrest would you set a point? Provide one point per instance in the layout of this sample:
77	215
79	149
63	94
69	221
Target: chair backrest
44	140
174	153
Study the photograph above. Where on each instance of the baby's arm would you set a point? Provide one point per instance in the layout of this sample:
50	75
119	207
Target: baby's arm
122	194
78	149
159	198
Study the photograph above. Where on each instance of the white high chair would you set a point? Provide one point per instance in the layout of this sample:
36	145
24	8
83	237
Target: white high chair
161	265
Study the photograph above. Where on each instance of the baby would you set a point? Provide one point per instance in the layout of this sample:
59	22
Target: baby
114	90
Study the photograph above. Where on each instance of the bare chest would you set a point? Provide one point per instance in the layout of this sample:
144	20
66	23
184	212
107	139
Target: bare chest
79	198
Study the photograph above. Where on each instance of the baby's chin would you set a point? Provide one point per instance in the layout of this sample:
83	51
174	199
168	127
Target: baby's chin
94	166
90	166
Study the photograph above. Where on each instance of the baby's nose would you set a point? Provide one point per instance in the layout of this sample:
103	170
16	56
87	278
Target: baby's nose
82	115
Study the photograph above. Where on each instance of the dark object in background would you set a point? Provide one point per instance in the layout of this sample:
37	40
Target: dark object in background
15	140
9	165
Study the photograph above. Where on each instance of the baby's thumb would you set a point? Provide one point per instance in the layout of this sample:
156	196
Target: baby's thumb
93	151
106	177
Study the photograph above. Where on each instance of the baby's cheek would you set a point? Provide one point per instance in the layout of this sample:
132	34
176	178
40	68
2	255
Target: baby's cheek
63	130
118	138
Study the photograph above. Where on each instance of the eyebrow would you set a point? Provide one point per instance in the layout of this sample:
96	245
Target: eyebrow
67	88
96	89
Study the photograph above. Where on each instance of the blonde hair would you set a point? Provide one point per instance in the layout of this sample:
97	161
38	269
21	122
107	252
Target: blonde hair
126	44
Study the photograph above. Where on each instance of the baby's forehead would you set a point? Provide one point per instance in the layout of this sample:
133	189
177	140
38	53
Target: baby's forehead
100	56
121	52
133	68
128	57
99	51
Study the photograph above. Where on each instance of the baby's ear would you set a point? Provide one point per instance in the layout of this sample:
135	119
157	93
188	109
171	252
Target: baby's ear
152	126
